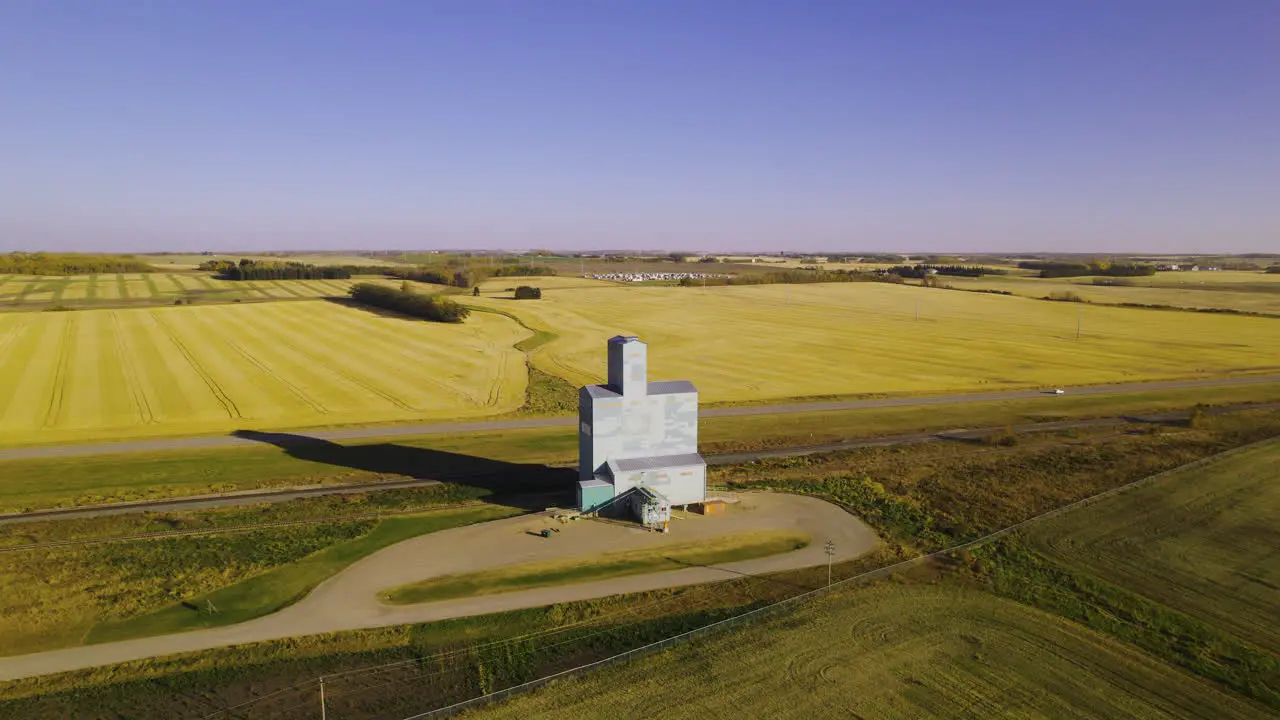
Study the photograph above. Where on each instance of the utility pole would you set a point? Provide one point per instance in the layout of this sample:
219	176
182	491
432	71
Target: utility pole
323	711
1079	321
830	550
917	310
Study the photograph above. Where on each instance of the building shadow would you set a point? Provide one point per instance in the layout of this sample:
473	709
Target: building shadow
528	486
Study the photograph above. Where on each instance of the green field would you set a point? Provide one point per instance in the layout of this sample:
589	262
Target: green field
101	374
1202	541
287	583
921	652
786	341
730	548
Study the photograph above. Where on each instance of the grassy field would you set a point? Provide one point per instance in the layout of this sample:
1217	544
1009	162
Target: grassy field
928	645
730	548
931	652
268	592
59	597
1201	541
1234	290
99	374
780	341
33	484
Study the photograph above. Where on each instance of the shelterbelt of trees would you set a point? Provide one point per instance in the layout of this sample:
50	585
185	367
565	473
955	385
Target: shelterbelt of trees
39	263
1065	269
407	302
465	277
922	270
271	270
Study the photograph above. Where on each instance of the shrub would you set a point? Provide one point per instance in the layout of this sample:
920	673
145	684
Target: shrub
525	292
435	309
1065	296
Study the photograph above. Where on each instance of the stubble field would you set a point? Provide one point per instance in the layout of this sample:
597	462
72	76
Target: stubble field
130	372
28	292
786	341
1202	541
99	374
1246	292
955	654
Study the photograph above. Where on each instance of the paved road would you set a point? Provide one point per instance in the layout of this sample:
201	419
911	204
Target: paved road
274	495
371	433
350	599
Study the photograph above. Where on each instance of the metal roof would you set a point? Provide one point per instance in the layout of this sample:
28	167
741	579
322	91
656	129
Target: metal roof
661	387
657	462
601	391
671	387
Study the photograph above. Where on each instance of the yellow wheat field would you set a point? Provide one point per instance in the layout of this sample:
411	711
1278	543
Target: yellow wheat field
176	370
786	341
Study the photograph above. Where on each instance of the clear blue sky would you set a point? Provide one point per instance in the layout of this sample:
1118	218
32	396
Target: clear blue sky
1108	125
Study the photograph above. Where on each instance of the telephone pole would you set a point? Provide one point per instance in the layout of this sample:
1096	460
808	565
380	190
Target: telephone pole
830	550
323	711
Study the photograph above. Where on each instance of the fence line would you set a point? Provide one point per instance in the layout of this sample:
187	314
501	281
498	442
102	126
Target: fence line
787	603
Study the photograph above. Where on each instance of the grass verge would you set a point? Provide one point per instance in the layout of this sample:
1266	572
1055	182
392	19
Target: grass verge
62	482
271	591
731	548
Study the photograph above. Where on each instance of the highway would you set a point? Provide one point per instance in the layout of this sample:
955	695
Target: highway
455	428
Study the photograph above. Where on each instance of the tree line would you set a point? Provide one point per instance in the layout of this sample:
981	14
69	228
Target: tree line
468	276
39	263
406	302
920	271
248	269
1105	269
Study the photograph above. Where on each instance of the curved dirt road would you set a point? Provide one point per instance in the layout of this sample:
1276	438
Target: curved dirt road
349	600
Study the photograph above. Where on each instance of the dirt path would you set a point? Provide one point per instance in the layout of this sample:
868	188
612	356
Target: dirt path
350	599
370	433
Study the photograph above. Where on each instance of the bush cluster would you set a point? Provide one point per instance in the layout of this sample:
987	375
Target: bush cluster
525	292
248	269
435	309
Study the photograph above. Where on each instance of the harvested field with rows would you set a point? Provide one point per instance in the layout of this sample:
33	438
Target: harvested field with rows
915	651
785	341
138	372
1202	541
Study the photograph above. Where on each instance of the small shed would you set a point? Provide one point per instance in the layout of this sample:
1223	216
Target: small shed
709	507
651	506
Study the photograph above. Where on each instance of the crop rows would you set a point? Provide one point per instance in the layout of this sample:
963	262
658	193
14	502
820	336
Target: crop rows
923	652
777	341
135	372
17	292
